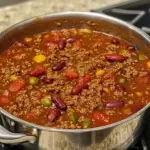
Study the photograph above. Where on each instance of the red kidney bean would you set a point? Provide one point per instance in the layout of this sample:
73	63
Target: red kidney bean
47	80
76	89
39	70
115	57
131	48
114	104
20	44
53	114
62	44
71	40
81	84
50	43
58	66
115	41
58	102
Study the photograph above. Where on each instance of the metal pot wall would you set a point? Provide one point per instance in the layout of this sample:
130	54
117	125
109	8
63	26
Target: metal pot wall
117	136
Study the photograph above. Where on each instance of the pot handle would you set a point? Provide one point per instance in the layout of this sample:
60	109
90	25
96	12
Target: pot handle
8	137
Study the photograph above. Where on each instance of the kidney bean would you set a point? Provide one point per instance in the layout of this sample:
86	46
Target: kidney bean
71	40
114	104
39	70
58	102
58	66
115	41
20	44
47	80
62	44
81	84
76	89
53	114
115	57
131	48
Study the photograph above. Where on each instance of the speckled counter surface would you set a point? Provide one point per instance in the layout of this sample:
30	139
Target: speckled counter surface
12	14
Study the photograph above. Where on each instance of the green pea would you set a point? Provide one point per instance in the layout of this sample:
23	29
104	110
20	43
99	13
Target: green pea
46	101
74	118
86	123
33	80
122	80
142	57
123	52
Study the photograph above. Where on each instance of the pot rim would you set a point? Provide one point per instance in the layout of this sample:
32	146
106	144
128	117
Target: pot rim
80	14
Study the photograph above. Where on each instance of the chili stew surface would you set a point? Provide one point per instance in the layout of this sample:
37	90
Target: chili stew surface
74	78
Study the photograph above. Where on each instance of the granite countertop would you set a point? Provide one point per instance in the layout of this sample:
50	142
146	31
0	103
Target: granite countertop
10	15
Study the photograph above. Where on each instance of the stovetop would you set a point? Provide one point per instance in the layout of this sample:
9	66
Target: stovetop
136	12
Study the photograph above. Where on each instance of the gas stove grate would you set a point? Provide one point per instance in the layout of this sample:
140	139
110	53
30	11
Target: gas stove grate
136	12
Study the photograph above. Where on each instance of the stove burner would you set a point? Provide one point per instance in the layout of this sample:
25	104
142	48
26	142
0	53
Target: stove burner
136	12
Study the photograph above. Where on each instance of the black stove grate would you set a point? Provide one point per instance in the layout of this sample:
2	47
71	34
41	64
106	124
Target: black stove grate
136	12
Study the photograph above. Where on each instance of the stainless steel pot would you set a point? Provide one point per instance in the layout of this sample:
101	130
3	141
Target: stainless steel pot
119	135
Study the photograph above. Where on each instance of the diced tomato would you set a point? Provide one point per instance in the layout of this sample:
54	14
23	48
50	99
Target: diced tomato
71	74
87	78
143	79
31	116
16	85
101	118
4	100
78	43
84	80
39	70
56	36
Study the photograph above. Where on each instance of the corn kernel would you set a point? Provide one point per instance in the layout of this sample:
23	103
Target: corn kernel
142	57
122	80
139	94
148	64
28	39
100	72
39	58
106	90
127	111
13	77
85	31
